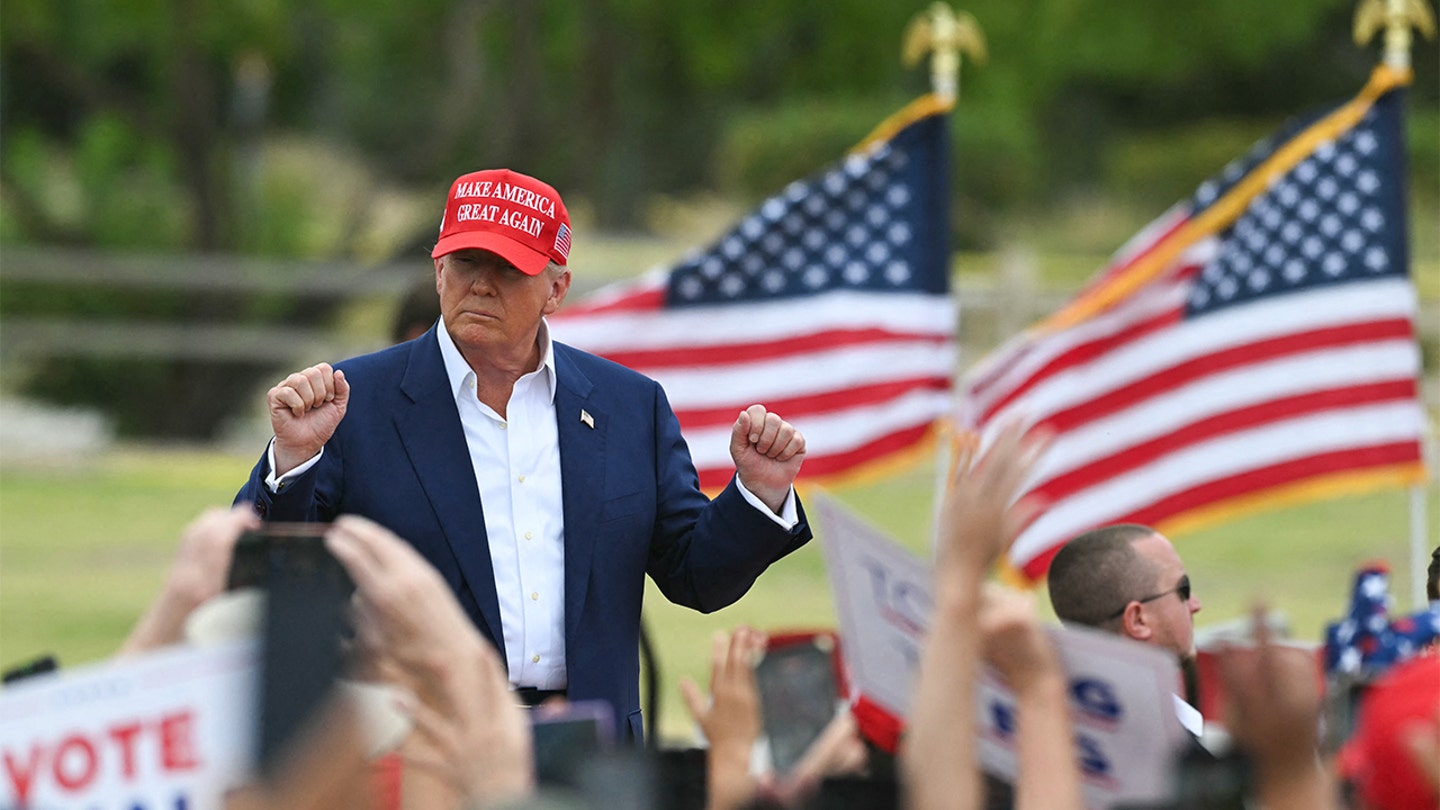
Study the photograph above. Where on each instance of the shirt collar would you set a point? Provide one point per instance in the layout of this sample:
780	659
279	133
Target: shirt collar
460	374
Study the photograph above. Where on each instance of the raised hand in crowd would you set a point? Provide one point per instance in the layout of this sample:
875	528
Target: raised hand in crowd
977	522
472	737
1019	649
730	719
305	408
201	565
977	517
1273	715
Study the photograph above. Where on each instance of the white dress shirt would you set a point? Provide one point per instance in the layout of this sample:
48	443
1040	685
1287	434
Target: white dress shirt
517	465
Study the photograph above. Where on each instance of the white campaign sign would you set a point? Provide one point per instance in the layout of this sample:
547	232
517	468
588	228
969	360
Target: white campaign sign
882	599
1120	691
172	730
1122	710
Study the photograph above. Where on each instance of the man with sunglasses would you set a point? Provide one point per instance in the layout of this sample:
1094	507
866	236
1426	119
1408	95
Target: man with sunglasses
1128	580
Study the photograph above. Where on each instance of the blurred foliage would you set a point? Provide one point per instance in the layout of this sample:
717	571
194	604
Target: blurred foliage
179	105
304	129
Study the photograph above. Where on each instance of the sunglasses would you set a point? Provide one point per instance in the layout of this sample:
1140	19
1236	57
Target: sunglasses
1182	590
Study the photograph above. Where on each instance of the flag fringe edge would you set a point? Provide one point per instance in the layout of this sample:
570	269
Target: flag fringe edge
1318	488
922	107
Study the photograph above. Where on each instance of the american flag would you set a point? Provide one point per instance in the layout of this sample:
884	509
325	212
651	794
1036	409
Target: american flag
1252	347
829	304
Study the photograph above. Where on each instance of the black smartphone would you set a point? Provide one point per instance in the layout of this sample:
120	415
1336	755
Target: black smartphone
799	693
307	591
42	665
296	549
568	735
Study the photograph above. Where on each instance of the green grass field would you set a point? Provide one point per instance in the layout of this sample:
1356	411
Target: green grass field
84	544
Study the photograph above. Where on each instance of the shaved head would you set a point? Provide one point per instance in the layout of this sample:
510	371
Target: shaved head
1126	579
1095	573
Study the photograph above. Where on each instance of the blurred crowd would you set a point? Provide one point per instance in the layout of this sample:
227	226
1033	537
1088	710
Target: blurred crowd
465	741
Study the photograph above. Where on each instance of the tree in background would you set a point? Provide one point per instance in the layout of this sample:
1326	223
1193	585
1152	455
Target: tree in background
286	128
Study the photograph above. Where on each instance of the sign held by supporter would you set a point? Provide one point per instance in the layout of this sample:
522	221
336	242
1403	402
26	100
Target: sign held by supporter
1120	692
166	731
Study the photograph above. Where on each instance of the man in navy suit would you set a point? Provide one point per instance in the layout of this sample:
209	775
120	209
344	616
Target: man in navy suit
542	482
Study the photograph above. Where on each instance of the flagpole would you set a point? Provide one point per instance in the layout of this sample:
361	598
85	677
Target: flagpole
1419	565
943	34
1397	17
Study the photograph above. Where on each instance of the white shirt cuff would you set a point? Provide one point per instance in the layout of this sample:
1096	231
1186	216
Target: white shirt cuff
788	516
276	484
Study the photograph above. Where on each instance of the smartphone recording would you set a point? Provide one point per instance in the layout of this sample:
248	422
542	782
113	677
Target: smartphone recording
307	592
799	693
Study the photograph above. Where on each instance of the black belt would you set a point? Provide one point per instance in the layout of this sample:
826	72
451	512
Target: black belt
530	696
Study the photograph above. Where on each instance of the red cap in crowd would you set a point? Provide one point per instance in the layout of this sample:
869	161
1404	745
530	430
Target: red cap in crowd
1375	759
507	213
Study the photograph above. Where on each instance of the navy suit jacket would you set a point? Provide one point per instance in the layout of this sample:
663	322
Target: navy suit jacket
631	499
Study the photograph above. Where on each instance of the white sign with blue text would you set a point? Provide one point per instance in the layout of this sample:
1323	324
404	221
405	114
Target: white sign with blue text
1121	692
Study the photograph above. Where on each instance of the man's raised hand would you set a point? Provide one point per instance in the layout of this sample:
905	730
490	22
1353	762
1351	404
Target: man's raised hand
305	408
767	452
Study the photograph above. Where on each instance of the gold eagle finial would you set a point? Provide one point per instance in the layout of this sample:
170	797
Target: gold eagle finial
1397	17
945	35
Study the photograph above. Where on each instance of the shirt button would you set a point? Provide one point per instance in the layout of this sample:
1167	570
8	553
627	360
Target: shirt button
522	479
503	425
534	596
535	660
529	536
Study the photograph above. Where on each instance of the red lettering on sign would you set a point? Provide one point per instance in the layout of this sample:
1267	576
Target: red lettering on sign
66	754
77	761
177	742
23	777
125	735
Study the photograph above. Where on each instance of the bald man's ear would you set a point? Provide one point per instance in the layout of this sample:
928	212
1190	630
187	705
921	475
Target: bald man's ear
1133	624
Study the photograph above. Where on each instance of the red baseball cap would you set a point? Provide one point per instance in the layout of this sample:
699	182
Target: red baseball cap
1374	759
513	215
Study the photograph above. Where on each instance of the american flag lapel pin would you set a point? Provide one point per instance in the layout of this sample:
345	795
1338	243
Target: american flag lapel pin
587	419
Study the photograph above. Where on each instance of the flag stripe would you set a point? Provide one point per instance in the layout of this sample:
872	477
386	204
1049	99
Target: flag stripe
819	403
730	353
802	375
1356	465
884	446
1177	410
1230	333
1215	362
831	434
1084	353
781	320
1221	457
1139	454
1030	354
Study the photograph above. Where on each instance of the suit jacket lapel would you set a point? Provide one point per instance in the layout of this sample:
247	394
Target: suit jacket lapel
429	427
582	469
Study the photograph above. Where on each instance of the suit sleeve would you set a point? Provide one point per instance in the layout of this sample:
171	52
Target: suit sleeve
706	554
299	500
